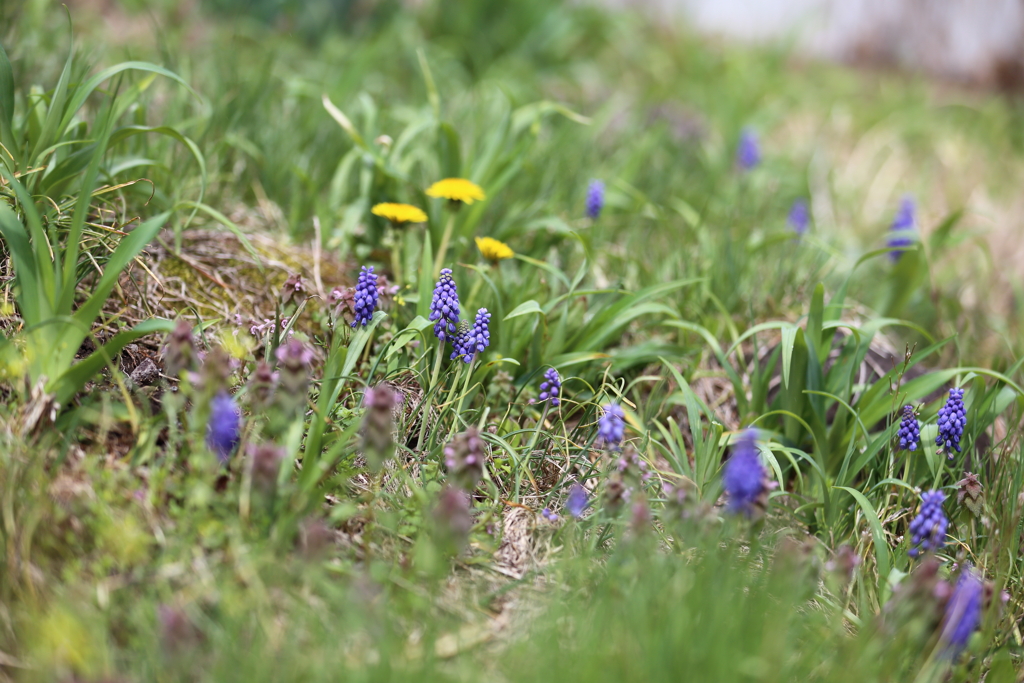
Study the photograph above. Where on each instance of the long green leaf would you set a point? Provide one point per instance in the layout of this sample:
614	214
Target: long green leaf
7	103
882	556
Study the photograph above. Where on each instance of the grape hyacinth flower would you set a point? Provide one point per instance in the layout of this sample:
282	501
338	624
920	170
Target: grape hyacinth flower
745	478
963	611
475	339
547	514
365	297
595	199
748	152
928	530
901	231
550	387
611	428
577	501
444	308
799	217
222	431
909	433
952	421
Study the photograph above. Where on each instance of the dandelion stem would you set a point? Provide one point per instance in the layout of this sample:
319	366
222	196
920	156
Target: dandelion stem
445	238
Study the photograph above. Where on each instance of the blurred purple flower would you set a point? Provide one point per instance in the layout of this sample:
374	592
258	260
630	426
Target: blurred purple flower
928	529
222	431
963	611
745	478
799	217
577	501
748	152
595	199
901	231
611	428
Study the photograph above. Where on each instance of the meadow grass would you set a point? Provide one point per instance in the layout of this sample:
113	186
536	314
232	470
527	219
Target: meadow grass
222	458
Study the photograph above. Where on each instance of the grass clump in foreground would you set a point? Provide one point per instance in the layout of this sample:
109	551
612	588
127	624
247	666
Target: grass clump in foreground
556	379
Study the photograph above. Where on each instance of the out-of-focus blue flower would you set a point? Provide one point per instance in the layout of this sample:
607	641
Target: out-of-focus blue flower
444	307
611	428
547	514
365	297
909	434
952	421
595	199
577	501
901	233
745	478
963	611
748	151
550	387
222	431
799	216
928	529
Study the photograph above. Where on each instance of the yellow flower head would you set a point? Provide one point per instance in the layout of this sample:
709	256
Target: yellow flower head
493	250
399	213
457	190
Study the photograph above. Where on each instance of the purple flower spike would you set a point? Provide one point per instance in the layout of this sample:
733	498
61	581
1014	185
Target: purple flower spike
473	340
901	233
595	199
365	297
222	431
745	478
444	308
577	501
748	151
952	420
928	530
611	428
799	217
963	611
550	387
909	434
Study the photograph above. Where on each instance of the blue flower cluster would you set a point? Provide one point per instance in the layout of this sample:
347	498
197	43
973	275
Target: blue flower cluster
928	530
963	611
799	217
952	421
474	339
550	387
901	231
444	307
577	501
745	477
366	296
222	431
909	434
611	428
748	152
595	199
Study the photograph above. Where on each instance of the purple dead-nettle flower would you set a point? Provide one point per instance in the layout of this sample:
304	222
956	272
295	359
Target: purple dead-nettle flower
294	358
901	233
952	420
611	428
378	424
366	297
928	529
293	287
745	477
551	387
748	151
909	434
799	217
577	501
444	307
963	611
464	457
595	199
224	427
179	350
266	465
547	514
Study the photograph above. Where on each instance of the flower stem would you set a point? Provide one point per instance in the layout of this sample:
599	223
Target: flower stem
430	387
442	250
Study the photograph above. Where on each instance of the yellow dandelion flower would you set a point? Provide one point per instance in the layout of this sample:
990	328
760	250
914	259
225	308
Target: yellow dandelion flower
399	213
494	250
457	190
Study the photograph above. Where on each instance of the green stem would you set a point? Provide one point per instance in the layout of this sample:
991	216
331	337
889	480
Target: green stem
430	387
445	238
529	450
396	255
